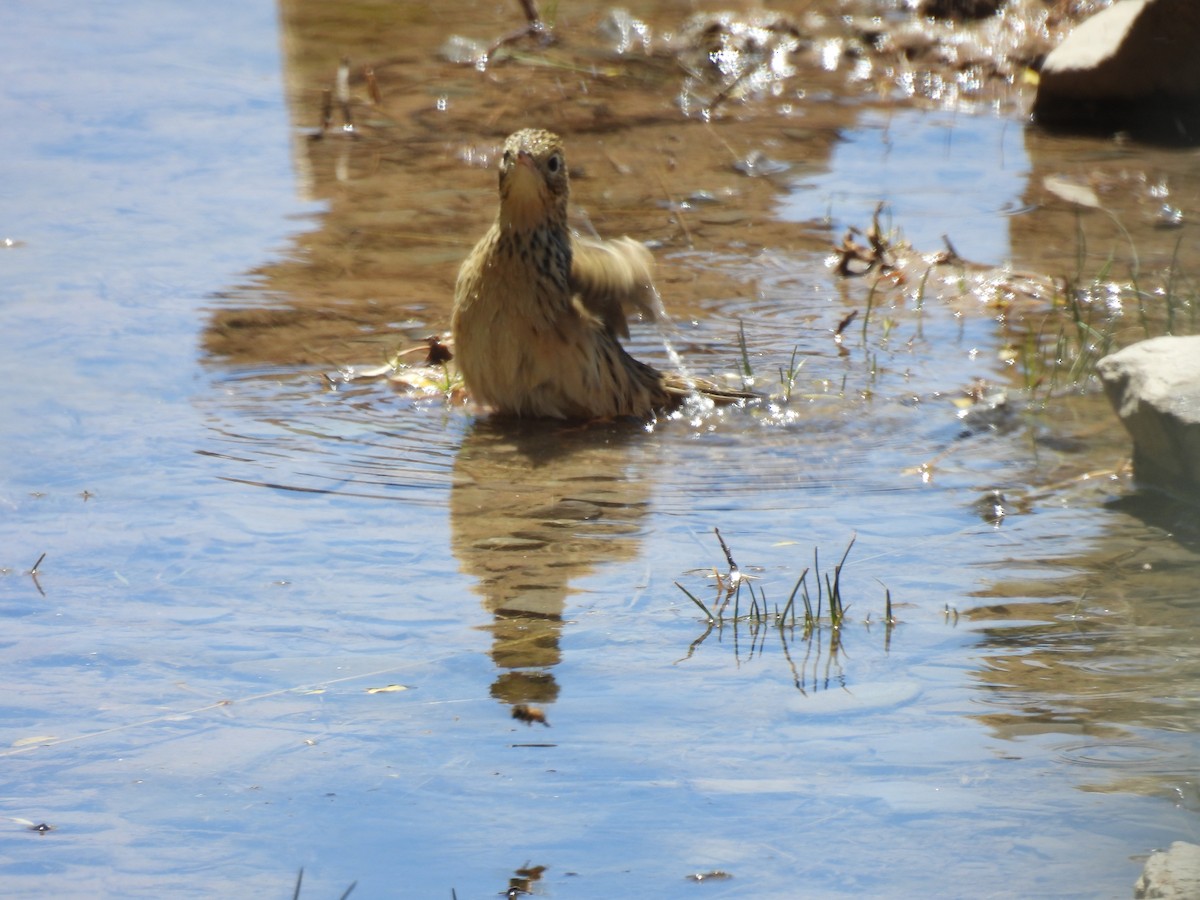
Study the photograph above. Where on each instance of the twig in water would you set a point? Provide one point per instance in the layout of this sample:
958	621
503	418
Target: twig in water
951	252
33	574
735	573
878	243
372	86
342	89
529	7
535	27
845	323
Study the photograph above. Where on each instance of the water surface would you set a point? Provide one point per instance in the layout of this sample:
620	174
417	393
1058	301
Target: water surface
240	549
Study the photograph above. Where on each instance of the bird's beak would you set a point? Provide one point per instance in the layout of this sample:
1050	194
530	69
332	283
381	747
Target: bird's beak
527	180
523	203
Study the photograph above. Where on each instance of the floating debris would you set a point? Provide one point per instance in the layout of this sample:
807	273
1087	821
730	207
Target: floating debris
715	875
389	689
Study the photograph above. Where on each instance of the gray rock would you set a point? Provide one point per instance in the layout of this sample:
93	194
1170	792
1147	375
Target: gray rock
1133	65
1170	875
1154	386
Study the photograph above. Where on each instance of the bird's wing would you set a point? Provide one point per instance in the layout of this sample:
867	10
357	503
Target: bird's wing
679	387
613	279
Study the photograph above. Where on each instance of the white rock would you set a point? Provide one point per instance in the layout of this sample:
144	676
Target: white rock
1133	53
1154	386
1171	875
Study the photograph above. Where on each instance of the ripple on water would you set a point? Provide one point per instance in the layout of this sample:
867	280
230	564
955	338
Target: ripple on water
784	455
1142	755
287	431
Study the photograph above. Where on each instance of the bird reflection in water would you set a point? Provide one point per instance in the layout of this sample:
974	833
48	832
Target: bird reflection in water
533	506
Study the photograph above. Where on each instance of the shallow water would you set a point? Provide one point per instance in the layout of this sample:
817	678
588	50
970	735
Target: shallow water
239	548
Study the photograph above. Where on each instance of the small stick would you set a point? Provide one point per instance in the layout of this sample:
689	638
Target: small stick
343	93
733	567
726	92
950	249
33	574
529	7
845	323
534	27
372	86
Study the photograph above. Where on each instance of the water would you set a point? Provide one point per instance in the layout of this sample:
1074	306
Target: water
936	177
239	550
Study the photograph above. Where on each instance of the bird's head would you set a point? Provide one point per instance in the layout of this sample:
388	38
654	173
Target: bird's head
533	180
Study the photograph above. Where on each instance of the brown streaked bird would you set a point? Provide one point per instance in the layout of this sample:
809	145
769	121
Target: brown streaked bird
539	312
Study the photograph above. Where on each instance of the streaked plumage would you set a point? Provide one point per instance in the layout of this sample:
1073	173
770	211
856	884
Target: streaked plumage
538	312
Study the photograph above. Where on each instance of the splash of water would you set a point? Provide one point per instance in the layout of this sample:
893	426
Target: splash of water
696	406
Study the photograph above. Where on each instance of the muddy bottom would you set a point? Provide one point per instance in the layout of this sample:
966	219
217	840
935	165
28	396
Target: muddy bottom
287	617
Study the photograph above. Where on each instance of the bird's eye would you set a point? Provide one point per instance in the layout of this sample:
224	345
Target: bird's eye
507	161
554	163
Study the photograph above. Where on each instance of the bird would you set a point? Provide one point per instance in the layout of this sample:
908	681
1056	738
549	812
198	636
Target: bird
539	312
